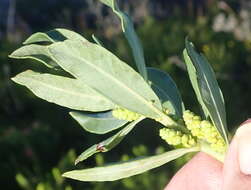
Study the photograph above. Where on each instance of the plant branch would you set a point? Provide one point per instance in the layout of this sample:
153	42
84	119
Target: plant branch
205	147
171	123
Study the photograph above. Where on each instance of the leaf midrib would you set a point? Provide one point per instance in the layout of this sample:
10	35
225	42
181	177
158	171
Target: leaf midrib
217	110
61	90
140	98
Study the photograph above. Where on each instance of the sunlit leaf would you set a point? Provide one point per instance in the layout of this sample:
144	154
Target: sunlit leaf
131	36
39	52
99	123
129	168
36	52
97	41
104	72
194	81
209	89
166	89
56	35
109	143
63	91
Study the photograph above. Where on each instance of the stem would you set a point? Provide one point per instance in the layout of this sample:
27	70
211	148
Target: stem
204	147
168	121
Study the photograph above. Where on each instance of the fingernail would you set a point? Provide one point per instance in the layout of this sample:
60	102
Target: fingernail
243	135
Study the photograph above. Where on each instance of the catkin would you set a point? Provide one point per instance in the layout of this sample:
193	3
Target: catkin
175	137
204	130
124	114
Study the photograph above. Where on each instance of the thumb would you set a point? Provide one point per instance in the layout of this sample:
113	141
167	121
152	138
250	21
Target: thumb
202	172
237	165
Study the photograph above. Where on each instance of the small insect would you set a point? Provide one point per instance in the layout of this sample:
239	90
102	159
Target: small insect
100	147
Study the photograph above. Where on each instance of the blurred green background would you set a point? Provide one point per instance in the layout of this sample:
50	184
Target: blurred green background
39	140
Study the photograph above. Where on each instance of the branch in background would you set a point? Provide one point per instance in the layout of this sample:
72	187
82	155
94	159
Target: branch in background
11	19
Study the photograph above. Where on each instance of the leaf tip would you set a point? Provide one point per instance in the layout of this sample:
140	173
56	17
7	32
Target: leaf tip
13	79
26	42
69	174
12	55
72	114
65	174
30	40
76	161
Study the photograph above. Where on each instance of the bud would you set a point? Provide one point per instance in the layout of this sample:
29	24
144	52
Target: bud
166	111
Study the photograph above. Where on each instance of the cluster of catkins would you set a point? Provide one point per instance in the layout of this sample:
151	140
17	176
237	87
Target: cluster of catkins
124	114
200	130
175	137
204	130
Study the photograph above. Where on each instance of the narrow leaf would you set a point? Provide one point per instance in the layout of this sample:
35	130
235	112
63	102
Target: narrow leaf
99	123
131	36
52	36
121	170
107	2
109	143
40	52
166	89
36	52
209	89
63	91
103	71
97	41
194	81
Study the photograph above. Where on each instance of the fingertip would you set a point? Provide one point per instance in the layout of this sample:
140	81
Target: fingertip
193	176
243	138
237	165
246	122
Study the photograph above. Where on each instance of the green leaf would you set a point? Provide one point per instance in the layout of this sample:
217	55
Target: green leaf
129	168
97	41
108	2
131	36
56	35
103	71
40	52
194	81
99	123
209	89
166	89
63	91
109	143
36	52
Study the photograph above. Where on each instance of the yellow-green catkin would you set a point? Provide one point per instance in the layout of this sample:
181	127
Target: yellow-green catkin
204	130
165	111
175	137
124	114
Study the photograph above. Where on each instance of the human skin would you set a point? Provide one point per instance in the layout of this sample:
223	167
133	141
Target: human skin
205	173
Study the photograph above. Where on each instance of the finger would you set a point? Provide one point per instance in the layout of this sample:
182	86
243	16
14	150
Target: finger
201	172
237	165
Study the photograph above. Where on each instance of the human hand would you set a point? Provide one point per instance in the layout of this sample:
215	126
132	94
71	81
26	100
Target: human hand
205	173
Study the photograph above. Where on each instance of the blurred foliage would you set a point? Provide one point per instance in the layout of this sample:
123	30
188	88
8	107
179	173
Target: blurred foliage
37	138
